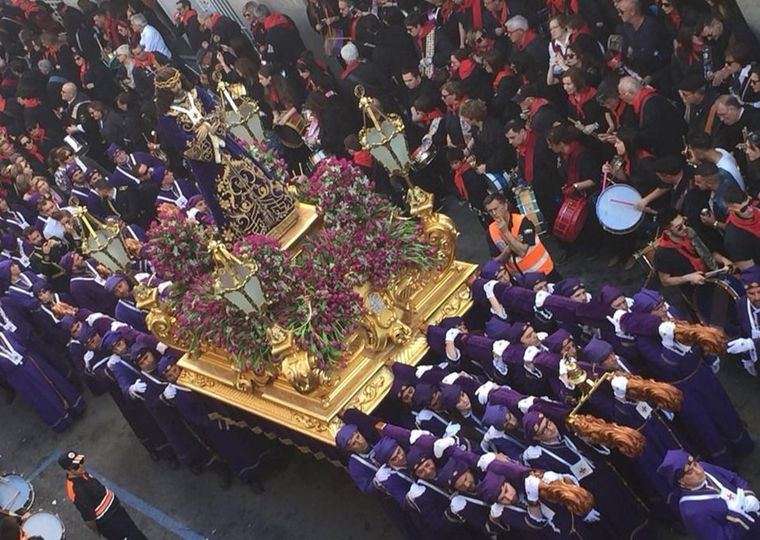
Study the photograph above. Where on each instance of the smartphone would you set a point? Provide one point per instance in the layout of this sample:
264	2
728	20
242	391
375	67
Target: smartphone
529	236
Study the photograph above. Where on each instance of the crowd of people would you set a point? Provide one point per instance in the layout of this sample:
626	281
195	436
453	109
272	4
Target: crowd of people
540	105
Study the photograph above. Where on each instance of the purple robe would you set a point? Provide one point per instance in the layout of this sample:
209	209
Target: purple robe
127	312
88	293
39	385
178	193
125	175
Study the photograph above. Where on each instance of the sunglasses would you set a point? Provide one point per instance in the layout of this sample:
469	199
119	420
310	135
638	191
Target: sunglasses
570	55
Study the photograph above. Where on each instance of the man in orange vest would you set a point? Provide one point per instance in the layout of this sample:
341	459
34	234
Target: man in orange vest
100	508
515	237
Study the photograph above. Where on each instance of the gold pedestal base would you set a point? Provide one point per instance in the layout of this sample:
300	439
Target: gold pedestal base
362	384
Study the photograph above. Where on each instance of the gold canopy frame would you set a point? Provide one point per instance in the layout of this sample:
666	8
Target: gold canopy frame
302	397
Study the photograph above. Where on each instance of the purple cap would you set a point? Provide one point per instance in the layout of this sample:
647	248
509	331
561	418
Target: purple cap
491	269
609	294
195	199
451	471
113	281
166	361
384	449
344	435
33	199
67	323
450	322
157	175
72	169
646	300
530	279
596	351
556	340
530	420
137	349
403	375
67	261
423	393
110	339
751	276
489	488
41	285
496	416
416	455
112	149
514	332
86	332
450	395
567	287
672	466
495	328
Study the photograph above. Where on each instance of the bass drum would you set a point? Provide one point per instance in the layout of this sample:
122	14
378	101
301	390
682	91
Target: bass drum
571	218
45	525
616	209
715	303
16	494
291	132
422	156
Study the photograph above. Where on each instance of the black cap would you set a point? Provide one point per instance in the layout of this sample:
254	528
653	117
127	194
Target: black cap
692	82
669	164
529	90
70	460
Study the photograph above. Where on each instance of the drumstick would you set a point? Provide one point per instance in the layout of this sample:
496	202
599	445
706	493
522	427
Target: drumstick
622	202
716	272
300	168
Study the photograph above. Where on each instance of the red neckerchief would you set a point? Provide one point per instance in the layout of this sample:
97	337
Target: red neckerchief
641	98
428	27
527	151
530	35
275	19
454	108
503	14
573	163
614	59
675	17
349	68
465	69
31	102
187	15
427	117
477	14
83	71
214	19
686	249
751	225
274	99
148	60
38	135
27	7
583	30
537	104
362	158
580	99
2	103
618	112
446	10
459	180
352	28
506	71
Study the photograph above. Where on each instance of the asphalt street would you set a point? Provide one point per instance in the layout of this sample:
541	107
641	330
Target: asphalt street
304	498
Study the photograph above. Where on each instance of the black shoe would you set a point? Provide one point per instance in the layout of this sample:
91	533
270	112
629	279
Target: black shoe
256	486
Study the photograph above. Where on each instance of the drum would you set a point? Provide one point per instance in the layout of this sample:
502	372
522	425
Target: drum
291	132
527	205
497	182
316	157
423	156
616	211
715	303
571	218
646	256
16	494
45	525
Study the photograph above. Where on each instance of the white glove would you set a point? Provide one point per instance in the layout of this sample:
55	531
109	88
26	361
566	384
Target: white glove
485	460
619	386
483	391
170	392
531	488
499	347
416	434
667	331
137	389
735	503
715	366
541	297
88	356
740	345
525	404
115	325
421	370
749	365
592	516
451	334
615	320
530	354
488	289
551	476
162	347
441	445
751	504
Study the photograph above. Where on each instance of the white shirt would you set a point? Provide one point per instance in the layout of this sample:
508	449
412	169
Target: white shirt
727	162
152	41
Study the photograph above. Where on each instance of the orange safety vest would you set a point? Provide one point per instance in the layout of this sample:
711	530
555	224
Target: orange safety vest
537	259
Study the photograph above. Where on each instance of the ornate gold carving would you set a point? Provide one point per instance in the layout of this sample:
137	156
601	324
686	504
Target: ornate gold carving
193	379
145	297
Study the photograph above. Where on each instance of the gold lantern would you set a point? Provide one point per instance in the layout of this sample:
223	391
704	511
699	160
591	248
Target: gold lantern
383	135
103	241
236	281
241	113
